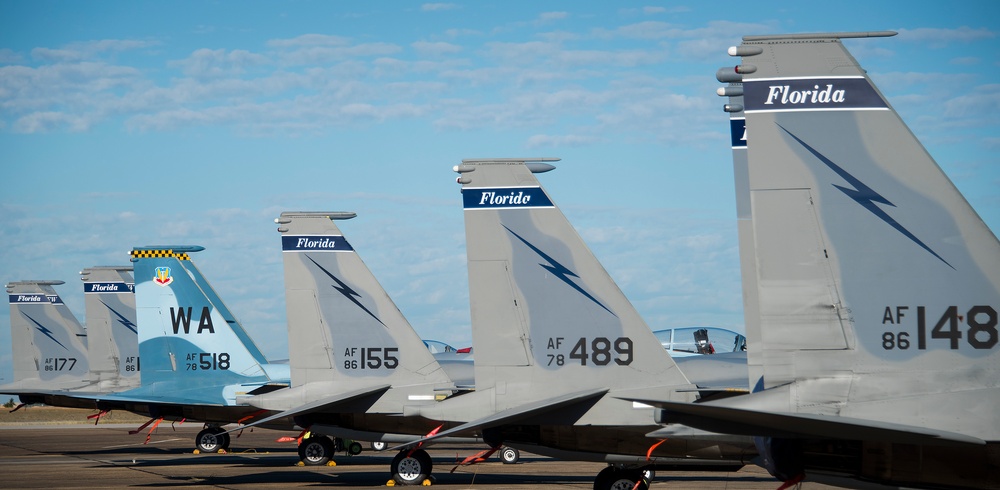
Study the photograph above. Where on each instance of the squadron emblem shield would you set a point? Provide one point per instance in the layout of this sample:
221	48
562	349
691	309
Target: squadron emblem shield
163	277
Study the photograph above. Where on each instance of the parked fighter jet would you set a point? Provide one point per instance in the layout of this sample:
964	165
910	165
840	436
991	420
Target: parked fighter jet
196	359
557	343
355	360
871	285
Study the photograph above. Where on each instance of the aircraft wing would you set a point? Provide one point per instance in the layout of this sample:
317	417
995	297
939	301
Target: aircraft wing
783	424
514	414
327	404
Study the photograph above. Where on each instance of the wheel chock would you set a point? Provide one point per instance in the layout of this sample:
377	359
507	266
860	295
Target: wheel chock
196	452
300	463
390	483
331	463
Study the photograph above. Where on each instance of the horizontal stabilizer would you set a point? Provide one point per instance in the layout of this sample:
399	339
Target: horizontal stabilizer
782	424
326	405
515	414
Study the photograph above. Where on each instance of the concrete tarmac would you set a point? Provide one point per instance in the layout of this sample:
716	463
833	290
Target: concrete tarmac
75	456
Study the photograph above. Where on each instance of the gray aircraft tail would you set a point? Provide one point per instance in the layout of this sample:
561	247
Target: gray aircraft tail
49	344
112	335
546	317
870	281
342	326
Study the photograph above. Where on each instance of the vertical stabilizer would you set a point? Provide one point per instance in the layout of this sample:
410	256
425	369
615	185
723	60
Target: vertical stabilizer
48	342
877	284
188	339
342	326
112	335
546	316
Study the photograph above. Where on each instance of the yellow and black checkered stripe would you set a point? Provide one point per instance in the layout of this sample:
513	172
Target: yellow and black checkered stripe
159	254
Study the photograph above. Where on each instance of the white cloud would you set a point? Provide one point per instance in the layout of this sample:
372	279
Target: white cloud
433	7
216	63
309	40
546	17
46	121
435	48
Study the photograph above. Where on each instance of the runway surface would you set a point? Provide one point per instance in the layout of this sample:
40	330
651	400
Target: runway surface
108	457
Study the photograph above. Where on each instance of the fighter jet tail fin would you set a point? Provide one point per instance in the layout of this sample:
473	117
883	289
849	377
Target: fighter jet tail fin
112	332
188	338
542	304
342	325
870	277
49	345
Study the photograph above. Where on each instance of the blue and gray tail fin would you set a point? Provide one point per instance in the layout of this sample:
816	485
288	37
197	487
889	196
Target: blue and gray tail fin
112	334
342	325
545	313
188	338
49	344
870	269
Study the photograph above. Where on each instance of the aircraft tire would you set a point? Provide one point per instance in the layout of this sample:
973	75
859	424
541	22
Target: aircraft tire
316	451
208	440
379	445
354	448
612	478
412	469
510	455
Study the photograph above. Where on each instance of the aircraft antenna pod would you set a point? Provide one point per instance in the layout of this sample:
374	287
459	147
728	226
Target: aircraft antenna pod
728	75
730	91
745	50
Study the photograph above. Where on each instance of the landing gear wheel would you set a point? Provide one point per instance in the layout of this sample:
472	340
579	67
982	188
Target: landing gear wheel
354	448
316	450
412	469
379	445
510	455
211	439
612	478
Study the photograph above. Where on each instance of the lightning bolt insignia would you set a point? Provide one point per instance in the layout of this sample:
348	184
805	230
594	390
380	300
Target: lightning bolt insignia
45	331
865	196
346	291
121	319
559	270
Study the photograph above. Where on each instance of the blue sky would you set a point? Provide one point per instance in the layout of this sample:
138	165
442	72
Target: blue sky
128	123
